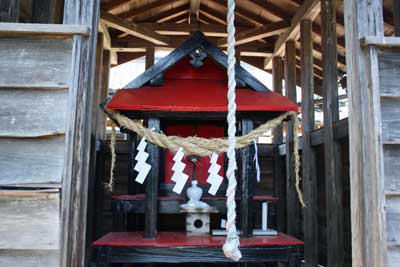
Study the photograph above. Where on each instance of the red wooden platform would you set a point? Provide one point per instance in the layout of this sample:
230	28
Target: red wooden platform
168	239
175	198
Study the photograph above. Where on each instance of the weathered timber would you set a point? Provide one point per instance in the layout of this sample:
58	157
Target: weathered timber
152	185
333	179
31	160
133	29
279	180
22	64
257	33
366	170
380	41
78	132
247	181
292	204
105	77
194	11
9	10
41	30
310	219
150	53
308	10
29	221
33	113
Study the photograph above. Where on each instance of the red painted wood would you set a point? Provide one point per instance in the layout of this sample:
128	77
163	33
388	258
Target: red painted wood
197	96
175	198
202	166
184	70
165	239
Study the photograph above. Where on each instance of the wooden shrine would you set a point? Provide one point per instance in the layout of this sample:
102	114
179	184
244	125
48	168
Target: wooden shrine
184	94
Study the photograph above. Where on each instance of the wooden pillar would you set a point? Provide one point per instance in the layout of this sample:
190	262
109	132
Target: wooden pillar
366	172
151	200
279	179
292	204
333	179
47	11
9	10
150	51
105	78
310	219
396	17
247	179
78	133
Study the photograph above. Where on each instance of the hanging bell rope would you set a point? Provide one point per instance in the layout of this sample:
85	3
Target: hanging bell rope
232	243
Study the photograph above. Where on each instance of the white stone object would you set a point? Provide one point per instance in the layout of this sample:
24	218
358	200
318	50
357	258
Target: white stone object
142	167
264	218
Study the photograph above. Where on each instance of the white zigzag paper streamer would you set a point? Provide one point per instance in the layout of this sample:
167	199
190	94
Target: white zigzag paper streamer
179	177
214	178
141	166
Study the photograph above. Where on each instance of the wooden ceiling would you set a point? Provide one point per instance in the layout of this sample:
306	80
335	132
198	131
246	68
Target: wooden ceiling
262	26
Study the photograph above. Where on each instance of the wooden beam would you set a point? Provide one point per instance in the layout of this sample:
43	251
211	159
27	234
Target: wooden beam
150	53
257	33
396	17
159	16
368	222
133	29
151	202
9	10
110	5
247	179
292	204
194	11
107	43
279	178
309	10
75	185
131	14
175	18
212	15
309	178
333	177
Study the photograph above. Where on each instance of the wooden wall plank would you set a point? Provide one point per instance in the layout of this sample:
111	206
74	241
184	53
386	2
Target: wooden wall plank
391	154
394	256
390	120
392	220
47	11
310	189
31	160
389	71
9	11
35	62
292	204
366	163
29	222
29	258
30	113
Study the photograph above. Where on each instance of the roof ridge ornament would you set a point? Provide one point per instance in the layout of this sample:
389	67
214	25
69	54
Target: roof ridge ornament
197	55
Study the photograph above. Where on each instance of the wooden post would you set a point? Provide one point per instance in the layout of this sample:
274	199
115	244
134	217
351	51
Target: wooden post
9	10
368	224
310	219
78	133
46	11
247	155
151	201
396	17
333	179
292	204
105	77
150	51
279	179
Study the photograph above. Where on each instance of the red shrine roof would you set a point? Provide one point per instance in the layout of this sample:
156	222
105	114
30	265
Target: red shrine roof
186	88
197	96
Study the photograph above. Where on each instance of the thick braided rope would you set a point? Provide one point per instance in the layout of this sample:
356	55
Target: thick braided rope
205	147
110	184
231	246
